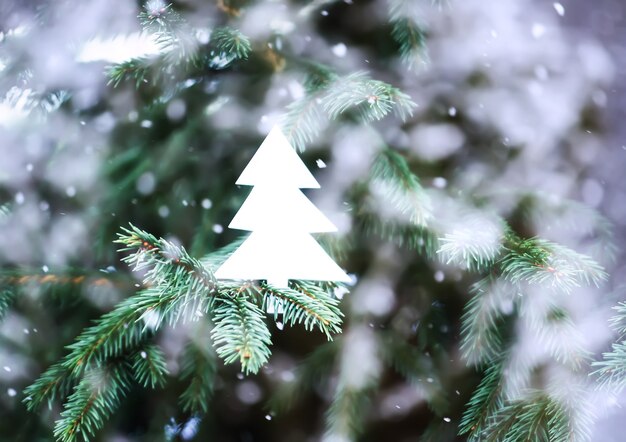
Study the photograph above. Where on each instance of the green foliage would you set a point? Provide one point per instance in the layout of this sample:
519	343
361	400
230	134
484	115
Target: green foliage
6	300
240	332
408	32
198	368
538	417
334	95
538	261
306	304
231	42
492	300
94	399
5	211
485	403
121	347
180	51
495	303
149	368
398	186
179	289
474	243
611	370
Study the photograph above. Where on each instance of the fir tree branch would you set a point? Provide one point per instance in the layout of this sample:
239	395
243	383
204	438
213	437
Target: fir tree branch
7	297
95	398
537	417
538	261
148	366
306	303
180	289
329	96
347	412
474	242
392	178
485	403
611	370
371	99
5	212
492	300
198	368
240	332
410	236
408	32
178	48
231	42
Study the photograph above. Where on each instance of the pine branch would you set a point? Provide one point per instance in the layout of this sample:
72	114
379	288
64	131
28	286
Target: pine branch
371	99
7	297
231	43
240	332
5	212
553	213
538	417
180	289
346	415
198	368
148	366
305	117
55	383
395	184
178	48
334	96
306	303
611	370
538	261
558	333
408	32
474	242
485	403
95	398
410	236
481	324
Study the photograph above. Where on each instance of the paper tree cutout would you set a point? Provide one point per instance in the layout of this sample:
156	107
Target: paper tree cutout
281	219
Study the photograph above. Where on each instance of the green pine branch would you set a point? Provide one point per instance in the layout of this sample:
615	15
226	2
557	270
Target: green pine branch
180	289
474	241
538	417
240	332
95	398
329	96
198	368
391	176
179	49
484	404
492	301
408	32
541	262
611	370
148	367
306	304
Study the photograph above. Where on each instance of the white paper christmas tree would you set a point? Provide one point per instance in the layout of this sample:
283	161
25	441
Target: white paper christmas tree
281	219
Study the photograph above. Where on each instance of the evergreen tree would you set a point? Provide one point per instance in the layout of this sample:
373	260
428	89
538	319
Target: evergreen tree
462	323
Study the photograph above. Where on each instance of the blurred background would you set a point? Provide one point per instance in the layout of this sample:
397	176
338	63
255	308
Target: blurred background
515	99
